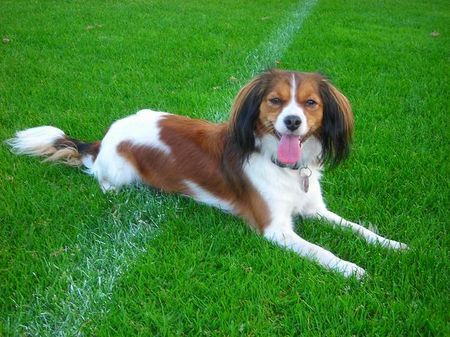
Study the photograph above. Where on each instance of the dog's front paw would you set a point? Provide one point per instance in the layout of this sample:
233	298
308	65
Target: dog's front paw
349	269
394	244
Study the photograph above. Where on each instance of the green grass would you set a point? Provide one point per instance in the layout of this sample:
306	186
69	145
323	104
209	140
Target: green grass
180	268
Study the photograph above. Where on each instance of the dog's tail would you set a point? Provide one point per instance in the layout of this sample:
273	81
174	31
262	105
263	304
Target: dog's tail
53	144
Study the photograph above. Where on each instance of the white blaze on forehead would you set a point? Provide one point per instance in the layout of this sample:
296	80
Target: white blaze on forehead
293	88
292	109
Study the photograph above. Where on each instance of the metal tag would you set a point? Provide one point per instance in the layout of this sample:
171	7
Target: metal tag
305	183
305	173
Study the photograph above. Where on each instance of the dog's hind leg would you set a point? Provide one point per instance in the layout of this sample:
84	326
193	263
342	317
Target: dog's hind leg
367	234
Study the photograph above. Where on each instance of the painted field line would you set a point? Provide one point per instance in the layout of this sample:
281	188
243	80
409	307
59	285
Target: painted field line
105	257
272	49
265	55
104	254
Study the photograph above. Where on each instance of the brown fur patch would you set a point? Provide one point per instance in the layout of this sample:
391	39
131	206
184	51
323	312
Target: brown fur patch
197	152
67	155
70	151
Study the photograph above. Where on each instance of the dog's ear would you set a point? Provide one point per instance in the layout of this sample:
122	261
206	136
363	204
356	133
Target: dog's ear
244	115
337	125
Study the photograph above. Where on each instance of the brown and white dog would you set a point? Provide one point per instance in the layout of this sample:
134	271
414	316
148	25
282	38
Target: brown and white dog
264	164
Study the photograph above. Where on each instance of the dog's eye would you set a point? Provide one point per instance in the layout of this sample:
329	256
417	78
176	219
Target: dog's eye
275	101
311	103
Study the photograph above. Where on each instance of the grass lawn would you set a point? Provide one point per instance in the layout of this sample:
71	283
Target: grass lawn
74	261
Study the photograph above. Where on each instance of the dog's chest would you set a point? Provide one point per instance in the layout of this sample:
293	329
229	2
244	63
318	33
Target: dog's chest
283	189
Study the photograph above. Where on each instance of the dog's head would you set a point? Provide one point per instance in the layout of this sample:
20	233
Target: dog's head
291	107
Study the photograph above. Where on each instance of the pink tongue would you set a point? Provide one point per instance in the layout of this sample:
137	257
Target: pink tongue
289	150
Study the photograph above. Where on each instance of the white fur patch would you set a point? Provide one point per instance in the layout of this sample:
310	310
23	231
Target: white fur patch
140	129
35	141
203	196
88	162
279	187
110	168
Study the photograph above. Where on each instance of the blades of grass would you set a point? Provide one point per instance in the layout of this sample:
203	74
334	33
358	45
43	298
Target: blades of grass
101	258
107	255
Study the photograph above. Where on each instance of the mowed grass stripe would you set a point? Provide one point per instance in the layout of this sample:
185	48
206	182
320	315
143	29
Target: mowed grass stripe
107	255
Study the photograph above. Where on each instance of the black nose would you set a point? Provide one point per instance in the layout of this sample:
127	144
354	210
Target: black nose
292	122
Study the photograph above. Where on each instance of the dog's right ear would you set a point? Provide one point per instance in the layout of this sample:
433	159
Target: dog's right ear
244	115
240	141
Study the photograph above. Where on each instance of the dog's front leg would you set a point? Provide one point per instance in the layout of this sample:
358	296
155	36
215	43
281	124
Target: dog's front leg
367	234
283	235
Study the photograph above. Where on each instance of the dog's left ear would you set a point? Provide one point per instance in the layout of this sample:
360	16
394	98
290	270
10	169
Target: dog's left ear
337	125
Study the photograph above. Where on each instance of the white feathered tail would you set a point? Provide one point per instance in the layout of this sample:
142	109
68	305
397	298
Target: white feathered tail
52	144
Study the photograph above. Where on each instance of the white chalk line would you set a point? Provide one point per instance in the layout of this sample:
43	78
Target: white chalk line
265	55
105	257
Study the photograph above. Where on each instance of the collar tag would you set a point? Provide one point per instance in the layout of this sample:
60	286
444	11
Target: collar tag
305	173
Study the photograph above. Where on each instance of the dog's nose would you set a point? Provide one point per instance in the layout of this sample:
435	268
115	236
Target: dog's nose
292	122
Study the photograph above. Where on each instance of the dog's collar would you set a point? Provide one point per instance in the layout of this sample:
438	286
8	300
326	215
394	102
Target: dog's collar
295	166
304	172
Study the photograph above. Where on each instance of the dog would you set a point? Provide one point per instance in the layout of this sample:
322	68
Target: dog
263	165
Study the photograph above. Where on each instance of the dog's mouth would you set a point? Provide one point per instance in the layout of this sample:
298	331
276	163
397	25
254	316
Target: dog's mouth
289	149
